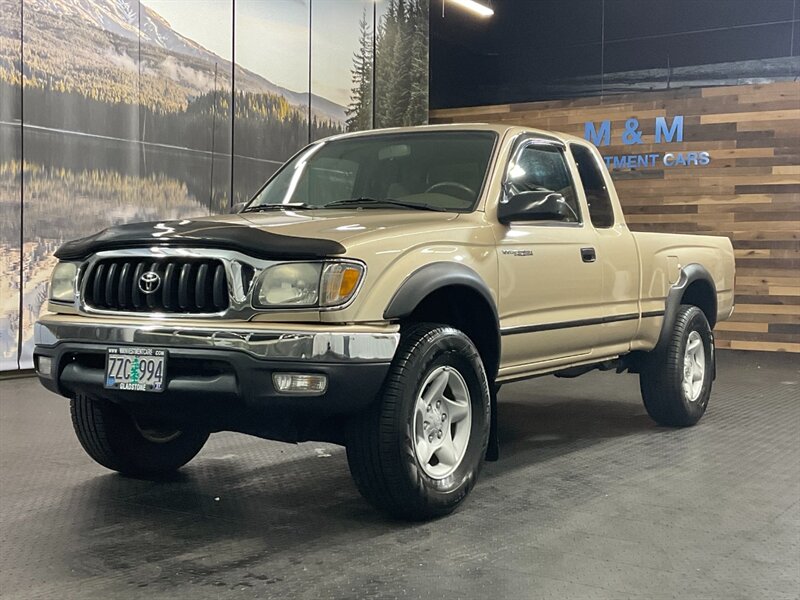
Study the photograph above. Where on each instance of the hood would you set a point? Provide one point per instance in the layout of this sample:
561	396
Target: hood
268	235
352	228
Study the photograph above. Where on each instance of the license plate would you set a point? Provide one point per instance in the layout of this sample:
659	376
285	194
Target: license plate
136	369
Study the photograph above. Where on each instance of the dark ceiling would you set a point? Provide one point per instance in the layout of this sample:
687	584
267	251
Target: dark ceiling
543	49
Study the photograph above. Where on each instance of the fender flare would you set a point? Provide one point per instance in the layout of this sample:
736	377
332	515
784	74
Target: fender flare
430	278
689	274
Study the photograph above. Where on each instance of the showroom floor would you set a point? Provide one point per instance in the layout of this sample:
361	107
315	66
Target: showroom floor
589	500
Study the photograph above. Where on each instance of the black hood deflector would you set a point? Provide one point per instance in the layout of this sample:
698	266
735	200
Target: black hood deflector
244	238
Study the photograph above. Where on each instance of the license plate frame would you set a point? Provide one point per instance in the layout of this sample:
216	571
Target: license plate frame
149	374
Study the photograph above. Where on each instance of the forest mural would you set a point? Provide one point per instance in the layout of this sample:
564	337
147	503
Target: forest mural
122	110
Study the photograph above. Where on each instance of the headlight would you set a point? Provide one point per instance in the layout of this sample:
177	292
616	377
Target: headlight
307	284
62	282
291	284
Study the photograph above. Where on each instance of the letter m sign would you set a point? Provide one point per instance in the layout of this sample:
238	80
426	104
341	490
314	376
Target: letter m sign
598	138
675	131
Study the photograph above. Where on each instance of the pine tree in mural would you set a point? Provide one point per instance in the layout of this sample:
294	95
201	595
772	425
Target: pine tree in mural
417	107
401	69
359	113
400	90
385	65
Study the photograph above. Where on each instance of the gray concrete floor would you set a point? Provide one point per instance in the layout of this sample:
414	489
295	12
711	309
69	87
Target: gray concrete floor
589	500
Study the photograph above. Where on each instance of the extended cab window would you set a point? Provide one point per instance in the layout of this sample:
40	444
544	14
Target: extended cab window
543	168
594	186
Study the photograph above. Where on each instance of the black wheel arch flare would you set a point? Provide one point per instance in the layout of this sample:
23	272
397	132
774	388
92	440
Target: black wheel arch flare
689	274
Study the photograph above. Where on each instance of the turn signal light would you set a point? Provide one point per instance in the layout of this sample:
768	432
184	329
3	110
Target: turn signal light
299	383
339	282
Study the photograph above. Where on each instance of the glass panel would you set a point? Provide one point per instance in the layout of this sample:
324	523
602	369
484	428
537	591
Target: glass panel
186	86
271	94
81	133
594	186
401	63
10	181
341	66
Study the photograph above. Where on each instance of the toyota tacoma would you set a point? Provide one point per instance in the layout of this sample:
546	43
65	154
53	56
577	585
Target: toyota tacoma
375	293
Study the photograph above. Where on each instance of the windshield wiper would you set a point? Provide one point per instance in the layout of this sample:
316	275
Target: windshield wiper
390	201
289	206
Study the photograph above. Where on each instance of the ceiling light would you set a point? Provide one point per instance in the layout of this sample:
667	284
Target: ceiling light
476	7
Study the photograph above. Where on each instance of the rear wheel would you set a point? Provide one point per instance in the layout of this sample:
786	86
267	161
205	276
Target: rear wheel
136	447
676	380
417	452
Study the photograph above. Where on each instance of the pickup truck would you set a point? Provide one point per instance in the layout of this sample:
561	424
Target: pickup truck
375	293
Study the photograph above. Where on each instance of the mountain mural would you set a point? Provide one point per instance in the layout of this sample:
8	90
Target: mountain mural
127	119
121	40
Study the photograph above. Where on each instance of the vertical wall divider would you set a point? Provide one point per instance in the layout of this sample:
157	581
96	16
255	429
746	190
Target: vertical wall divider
375	59
310	56
141	131
233	100
602	48
21	179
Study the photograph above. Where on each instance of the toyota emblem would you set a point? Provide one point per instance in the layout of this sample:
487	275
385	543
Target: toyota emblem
149	282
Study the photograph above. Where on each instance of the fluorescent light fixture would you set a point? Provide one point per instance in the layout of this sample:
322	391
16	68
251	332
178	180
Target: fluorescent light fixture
476	7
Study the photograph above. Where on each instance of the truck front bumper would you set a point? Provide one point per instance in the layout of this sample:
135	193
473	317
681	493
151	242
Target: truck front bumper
220	377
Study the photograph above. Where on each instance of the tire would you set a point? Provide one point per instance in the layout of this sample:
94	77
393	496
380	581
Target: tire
664	379
113	438
385	444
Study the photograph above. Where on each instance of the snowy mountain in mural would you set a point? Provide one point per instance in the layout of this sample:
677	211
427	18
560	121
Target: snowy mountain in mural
110	34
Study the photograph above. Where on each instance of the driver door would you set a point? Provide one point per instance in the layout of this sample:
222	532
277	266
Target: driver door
550	284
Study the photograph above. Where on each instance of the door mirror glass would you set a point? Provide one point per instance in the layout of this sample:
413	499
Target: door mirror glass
237	208
538	205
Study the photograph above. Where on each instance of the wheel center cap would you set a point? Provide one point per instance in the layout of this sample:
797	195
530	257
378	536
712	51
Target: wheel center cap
434	419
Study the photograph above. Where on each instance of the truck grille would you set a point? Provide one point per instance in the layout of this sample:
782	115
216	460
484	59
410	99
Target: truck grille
171	285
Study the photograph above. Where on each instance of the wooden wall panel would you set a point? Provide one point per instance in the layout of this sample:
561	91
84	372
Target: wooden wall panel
750	191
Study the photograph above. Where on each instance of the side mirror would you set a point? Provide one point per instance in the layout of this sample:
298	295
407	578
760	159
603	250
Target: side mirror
237	208
539	205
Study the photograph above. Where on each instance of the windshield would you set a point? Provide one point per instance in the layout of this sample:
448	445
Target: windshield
435	170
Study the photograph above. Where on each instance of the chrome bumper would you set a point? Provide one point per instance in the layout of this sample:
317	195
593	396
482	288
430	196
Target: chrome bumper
273	344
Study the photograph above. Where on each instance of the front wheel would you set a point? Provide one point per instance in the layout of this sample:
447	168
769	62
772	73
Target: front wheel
136	447
417	452
676	380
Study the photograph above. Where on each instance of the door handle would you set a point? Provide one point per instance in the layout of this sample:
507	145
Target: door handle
588	255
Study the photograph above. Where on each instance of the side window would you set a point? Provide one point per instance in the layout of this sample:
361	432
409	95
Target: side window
594	186
543	168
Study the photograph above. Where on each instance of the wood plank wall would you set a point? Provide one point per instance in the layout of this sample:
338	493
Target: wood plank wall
750	190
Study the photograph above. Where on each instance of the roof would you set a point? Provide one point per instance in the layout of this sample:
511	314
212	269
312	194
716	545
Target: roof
499	128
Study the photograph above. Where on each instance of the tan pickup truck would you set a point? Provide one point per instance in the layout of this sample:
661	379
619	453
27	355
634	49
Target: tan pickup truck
375	293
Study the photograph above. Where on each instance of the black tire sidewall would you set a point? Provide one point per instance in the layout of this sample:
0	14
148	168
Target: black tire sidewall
109	435
696	321
443	346
661	378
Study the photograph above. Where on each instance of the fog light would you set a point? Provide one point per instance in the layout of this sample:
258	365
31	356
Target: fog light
44	365
299	383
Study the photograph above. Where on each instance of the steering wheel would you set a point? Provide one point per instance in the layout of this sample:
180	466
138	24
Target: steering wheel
464	192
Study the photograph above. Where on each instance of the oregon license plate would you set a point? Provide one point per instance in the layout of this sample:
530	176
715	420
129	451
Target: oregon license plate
136	369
